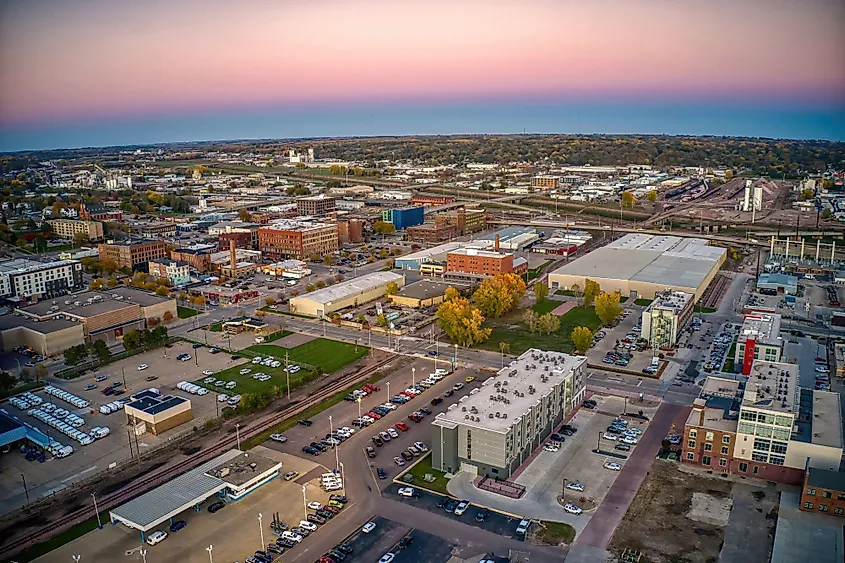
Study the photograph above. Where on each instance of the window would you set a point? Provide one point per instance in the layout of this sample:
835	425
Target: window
826	494
693	433
840	497
764	445
777	460
811	492
838	511
705	460
779	447
822	508
756	470
709	437
743	467
723	462
808	505
726	439
745	415
724	450
691	444
745	427
690	456
708	447
759	457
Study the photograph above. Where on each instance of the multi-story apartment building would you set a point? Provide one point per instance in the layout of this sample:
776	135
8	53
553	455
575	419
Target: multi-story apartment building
22	279
351	230
432	233
297	239
479	262
241	240
197	257
823	492
839	360
315	205
666	317
710	429
133	254
248	232
69	228
759	339
546	182
154	229
492	432
177	273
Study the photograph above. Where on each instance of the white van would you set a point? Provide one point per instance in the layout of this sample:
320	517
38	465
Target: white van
156	537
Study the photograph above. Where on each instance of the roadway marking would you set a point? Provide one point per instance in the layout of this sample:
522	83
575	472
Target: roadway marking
640	382
81	473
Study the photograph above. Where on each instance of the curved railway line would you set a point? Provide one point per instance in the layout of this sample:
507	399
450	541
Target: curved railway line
156	477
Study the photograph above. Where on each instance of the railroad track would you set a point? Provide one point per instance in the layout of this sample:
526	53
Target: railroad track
157	477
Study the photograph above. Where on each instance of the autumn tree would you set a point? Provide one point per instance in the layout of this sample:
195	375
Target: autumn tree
652	195
541	291
591	290
384	227
628	199
391	289
582	338
505	347
269	301
96	284
548	323
499	294
460	320
319	284
244	215
168	316
111	282
608	307
162	291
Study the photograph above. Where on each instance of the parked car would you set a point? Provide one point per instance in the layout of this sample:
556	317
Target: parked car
461	508
178	525
156	537
368	527
381	474
612	466
216	506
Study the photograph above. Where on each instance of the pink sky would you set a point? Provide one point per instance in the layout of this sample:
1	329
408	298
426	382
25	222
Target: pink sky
78	59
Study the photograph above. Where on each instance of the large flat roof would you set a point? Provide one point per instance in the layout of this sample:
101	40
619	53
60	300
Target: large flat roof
349	288
424	289
44	327
513	397
664	260
764	328
772	386
24	265
827	419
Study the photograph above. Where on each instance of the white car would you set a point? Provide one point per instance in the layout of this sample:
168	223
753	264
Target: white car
348	430
612	466
256	360
368	527
634	431
821	370
387	557
461	508
389	406
522	528
406	491
441	371
278	438
420	446
393	433
314	505
287	534
208	380
435	377
551	448
630	440
156	537
306	525
575	486
222	398
572	509
245	371
142	367
609	436
399	461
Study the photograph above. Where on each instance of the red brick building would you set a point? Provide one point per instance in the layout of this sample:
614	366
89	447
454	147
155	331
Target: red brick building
294	239
431	200
480	262
710	435
241	239
823	492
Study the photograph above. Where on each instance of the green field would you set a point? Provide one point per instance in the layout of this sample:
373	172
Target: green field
553	533
327	355
643	302
512	330
277	335
546	306
566	292
419	471
705	310
186	312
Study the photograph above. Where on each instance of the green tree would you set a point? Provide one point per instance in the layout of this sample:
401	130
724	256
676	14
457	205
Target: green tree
827	214
807	194
80	238
100	350
381	320
499	294
162	291
7	381
111	282
548	323
384	227
75	354
132	340
541	291
39	244
582	338
591	290
96	284
608	307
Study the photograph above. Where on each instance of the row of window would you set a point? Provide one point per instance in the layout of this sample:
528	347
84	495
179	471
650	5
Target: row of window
693	433
777	420
706	460
825	494
708	447
824	508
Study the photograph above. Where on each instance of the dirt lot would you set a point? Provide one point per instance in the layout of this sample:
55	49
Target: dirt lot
660	521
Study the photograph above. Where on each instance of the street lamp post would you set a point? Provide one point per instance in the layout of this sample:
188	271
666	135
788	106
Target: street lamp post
358	400
563	491
25	489
77	558
261	529
456	355
342	479
210	558
96	510
304	502
413	377
238	434
388	391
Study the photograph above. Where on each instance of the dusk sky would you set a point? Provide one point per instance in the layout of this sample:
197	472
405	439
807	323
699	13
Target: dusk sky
102	72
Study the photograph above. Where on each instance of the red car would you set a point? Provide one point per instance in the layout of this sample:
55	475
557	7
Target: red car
374	415
332	509
325	559
406	394
402	426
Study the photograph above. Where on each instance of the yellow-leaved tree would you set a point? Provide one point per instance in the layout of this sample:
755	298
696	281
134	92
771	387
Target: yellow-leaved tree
608	307
460	320
499	294
591	289
581	337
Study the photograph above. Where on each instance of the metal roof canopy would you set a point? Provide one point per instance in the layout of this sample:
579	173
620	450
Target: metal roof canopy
177	495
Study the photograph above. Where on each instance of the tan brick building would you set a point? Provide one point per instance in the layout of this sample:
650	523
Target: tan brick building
710	435
68	228
351	230
296	239
134	255
315	205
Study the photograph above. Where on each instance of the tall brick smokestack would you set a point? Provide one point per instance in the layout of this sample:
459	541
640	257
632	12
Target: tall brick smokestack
233	257
496	244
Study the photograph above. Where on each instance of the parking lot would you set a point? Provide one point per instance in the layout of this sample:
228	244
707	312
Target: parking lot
614	342
421	547
56	474
234	531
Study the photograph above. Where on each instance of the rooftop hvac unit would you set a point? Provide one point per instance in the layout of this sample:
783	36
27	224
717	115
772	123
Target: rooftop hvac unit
466	417
505	415
498	414
463	409
490	415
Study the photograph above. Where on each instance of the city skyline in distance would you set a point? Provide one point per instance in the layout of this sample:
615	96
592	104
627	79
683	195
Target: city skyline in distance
110	73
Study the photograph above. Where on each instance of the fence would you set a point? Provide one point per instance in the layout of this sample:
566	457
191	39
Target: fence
505	488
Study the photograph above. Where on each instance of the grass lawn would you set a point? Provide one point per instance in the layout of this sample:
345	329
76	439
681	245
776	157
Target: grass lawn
216	327
313	410
642	302
186	312
553	533
512	330
68	536
700	309
566	292
546	306
328	355
623	299
419	471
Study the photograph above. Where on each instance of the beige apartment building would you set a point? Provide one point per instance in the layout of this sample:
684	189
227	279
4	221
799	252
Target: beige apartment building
68	228
297	239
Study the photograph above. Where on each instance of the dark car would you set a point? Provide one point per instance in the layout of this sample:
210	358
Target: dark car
451	506
449	393
381	474
324	513
152	377
615	429
304	422
275	548
318	446
557	437
332	509
377	441
622	447
235	357
339	498
481	515
196	345
436	401
371	451
425	410
118	392
263	556
415	417
405	542
178	525
336	555
345	548
310	450
442	502
407	456
216	506
316	518
284	542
